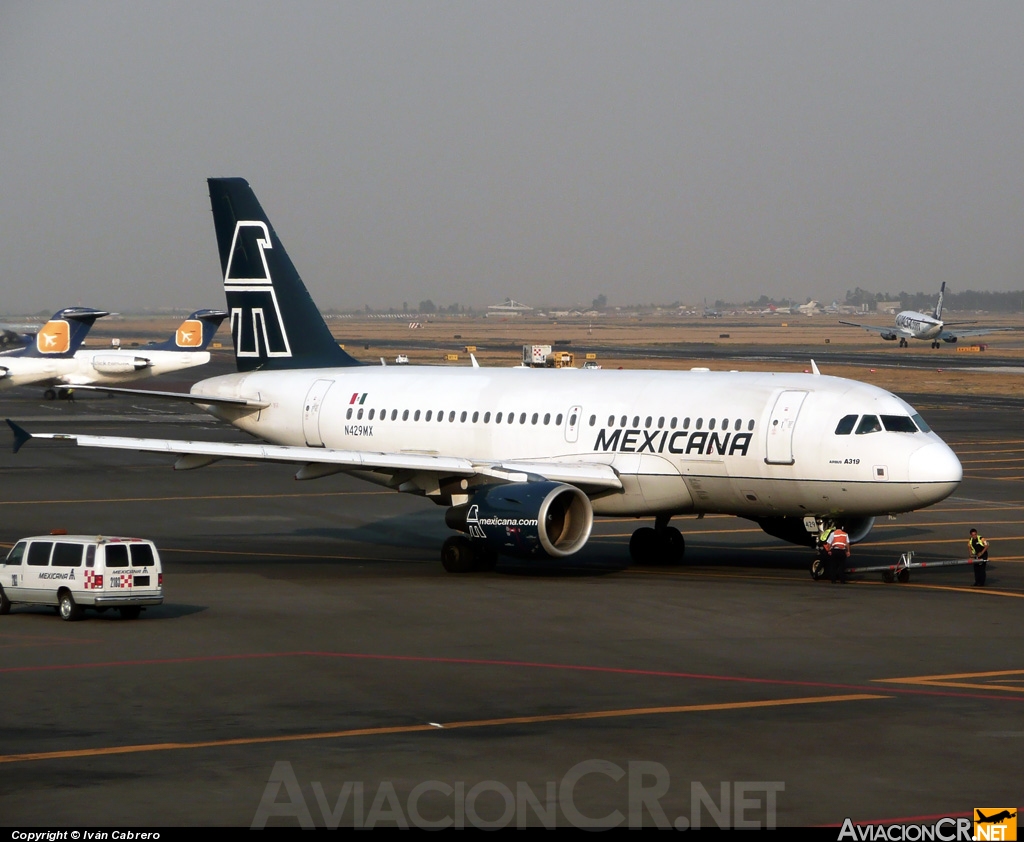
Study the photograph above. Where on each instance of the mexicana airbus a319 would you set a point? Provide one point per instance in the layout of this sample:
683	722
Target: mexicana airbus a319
524	459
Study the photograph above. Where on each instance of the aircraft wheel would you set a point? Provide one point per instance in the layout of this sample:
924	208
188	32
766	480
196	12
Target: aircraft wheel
130	612
50	394
903	577
69	610
643	545
817	569
457	554
888	577
674	545
5	603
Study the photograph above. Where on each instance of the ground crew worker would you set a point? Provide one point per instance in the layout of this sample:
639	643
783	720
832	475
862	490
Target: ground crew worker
979	552
838	547
823	547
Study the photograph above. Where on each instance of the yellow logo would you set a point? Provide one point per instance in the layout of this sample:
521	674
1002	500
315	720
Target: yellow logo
190	334
995	823
54	338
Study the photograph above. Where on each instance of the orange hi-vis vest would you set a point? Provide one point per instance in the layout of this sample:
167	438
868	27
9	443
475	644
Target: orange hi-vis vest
839	540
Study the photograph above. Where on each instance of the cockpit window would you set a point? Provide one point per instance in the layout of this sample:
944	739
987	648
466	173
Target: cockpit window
868	424
845	426
898	424
922	426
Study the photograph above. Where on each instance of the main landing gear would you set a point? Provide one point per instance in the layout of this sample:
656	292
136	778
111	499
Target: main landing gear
460	555
903	342
663	544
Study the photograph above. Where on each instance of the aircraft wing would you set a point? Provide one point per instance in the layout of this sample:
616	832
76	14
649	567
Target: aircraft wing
953	335
188	397
890	330
421	470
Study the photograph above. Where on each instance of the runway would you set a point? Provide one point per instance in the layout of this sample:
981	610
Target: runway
312	654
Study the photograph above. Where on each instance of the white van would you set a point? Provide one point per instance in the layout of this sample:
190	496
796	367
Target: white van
75	572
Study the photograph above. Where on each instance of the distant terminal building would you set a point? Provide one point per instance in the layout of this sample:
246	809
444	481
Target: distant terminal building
888	306
509	307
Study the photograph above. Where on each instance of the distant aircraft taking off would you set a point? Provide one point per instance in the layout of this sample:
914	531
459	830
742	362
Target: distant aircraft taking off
523	459
913	325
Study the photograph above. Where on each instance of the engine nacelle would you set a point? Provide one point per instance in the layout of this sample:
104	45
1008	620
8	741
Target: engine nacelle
4	372
889	337
119	363
526	519
793	530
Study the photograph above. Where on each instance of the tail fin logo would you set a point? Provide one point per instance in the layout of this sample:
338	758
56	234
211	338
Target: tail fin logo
54	338
257	326
190	334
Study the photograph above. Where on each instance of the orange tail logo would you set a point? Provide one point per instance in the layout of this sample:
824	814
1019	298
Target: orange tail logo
190	334
54	338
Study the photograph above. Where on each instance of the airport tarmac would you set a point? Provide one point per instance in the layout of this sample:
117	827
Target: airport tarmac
310	636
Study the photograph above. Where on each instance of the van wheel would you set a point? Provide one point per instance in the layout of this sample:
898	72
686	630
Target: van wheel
130	612
5	603
68	609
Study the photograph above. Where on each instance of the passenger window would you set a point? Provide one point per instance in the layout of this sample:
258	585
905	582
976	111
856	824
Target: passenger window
142	555
846	424
533	420
700	423
39	553
348	415
451	417
67	555
686	423
359	414
370	417
497	418
672	423
547	418
476	417
647	422
117	555
622	423
462	418
405	415
522	418
511	418
898	424
868	424
16	554
487	418
661	422
611	420
394	414
429	415
416	415
636	420
750	424
736	426
711	424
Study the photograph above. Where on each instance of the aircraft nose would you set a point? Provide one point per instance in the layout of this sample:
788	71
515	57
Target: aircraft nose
934	472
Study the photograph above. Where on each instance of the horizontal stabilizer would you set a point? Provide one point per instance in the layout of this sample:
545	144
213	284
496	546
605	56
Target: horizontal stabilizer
188	397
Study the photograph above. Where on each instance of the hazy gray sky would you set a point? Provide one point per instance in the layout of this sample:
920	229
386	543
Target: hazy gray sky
465	151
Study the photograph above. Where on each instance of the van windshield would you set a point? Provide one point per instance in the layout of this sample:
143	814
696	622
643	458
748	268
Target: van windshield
16	554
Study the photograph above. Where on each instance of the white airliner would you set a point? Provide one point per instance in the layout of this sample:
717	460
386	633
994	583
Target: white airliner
56	359
525	458
913	325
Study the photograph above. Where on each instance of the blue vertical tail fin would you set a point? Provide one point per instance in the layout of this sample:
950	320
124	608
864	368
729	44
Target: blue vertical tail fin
195	333
64	333
274	323
938	304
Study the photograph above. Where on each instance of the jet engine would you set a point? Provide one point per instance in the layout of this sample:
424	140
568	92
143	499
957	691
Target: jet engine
3	372
526	519
119	363
889	337
792	529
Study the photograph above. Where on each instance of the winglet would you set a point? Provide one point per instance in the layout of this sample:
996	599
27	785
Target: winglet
21	435
814	369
